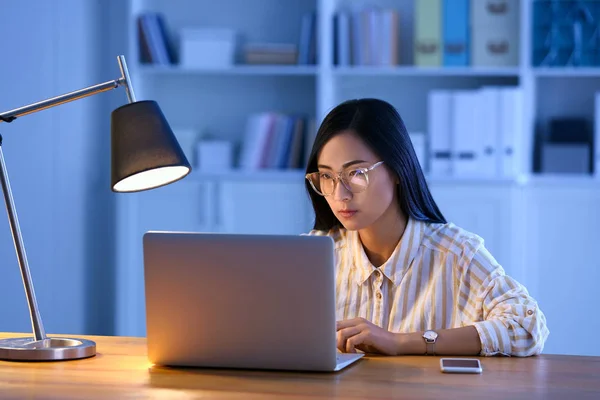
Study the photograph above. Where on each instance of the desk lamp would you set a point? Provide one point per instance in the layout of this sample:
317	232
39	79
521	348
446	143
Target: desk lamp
144	155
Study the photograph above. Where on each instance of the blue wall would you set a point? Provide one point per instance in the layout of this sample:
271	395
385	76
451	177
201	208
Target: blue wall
58	162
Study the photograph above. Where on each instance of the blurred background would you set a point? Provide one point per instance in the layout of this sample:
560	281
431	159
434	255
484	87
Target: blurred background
500	98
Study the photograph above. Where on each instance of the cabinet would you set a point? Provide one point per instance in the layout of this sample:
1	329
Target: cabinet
489	210
563	268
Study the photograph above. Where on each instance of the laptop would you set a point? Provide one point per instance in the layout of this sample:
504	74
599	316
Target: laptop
241	301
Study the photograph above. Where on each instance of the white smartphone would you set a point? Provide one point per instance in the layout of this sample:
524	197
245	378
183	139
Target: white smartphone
460	365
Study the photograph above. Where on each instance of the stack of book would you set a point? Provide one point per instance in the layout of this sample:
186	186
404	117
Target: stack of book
271	53
366	36
274	140
307	48
302	53
154	44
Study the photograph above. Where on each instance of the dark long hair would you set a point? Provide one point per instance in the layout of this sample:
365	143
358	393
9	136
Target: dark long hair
382	129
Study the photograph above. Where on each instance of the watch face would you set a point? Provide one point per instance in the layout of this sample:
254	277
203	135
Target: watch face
430	335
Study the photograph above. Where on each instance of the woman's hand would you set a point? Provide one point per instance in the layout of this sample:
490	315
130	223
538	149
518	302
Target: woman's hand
361	334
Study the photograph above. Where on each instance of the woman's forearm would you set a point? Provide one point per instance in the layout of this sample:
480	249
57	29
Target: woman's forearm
462	341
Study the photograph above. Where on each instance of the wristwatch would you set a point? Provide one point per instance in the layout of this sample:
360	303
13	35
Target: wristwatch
430	338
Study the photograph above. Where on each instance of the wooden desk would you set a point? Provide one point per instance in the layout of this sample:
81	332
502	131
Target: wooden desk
120	370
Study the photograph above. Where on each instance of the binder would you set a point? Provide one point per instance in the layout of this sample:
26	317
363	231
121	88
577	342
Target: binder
466	145
428	33
488	127
439	117
512	124
455	32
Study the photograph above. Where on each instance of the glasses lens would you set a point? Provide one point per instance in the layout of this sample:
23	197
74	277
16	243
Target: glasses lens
322	182
356	180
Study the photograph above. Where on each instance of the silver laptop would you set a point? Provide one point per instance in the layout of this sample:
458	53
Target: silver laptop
241	301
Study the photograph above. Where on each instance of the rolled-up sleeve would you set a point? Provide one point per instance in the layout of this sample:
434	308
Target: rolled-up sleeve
508	320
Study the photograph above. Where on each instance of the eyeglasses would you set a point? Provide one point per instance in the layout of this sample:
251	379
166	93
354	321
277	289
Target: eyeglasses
355	180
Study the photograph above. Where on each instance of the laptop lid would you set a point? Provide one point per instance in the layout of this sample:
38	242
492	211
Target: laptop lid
240	301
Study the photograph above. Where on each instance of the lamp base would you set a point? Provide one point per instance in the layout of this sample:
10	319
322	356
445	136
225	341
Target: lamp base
50	349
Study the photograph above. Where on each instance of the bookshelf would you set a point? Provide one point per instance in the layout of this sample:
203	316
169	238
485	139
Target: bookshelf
217	101
241	70
431	72
313	90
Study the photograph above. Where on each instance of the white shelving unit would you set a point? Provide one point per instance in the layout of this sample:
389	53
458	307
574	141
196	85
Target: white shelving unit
217	102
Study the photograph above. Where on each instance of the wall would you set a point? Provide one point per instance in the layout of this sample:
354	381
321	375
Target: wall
58	163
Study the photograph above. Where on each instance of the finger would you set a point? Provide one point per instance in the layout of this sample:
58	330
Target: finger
356	341
344	334
348	323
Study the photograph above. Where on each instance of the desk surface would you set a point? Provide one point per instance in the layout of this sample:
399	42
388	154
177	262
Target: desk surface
120	370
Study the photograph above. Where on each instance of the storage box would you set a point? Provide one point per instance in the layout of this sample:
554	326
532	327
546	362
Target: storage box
494	13
214	155
207	48
566	158
495	33
495	47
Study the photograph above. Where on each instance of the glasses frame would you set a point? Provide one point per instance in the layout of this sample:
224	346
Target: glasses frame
338	178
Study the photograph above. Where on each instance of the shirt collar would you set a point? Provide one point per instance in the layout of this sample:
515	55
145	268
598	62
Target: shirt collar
400	260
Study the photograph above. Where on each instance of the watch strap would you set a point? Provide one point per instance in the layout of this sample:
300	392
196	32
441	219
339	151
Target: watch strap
430	348
430	338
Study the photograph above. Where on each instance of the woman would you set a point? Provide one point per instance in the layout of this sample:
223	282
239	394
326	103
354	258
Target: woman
408	282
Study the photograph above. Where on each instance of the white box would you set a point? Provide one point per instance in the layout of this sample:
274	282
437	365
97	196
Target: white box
439	121
207	48
214	155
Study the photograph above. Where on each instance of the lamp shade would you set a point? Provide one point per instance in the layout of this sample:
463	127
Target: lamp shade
144	151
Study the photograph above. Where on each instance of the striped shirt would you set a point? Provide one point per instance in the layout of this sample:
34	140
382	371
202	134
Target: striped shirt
439	276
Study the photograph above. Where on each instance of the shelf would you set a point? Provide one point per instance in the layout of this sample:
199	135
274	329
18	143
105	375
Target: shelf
521	180
265	175
412	71
409	71
241	70
567	72
309	70
474	180
562	180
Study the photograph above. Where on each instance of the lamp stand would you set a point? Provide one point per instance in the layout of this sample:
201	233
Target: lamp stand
39	347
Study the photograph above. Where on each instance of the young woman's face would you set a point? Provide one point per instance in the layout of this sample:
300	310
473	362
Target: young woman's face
347	152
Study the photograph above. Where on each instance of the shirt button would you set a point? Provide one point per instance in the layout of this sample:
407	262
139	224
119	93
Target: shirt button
529	312
378	295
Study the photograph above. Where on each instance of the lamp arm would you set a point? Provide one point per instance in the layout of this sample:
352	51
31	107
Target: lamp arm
8	116
124	80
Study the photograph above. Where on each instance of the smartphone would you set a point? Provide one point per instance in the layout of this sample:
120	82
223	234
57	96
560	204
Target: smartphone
460	365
